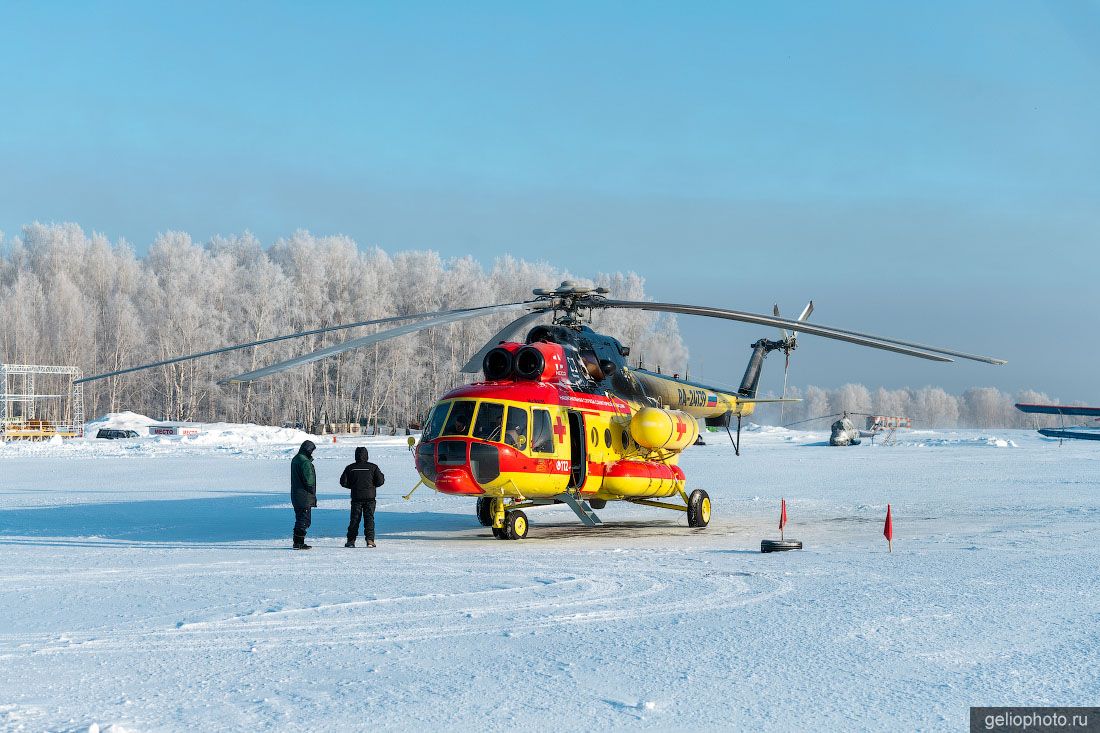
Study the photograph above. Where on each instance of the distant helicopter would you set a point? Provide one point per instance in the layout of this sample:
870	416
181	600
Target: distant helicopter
844	432
561	418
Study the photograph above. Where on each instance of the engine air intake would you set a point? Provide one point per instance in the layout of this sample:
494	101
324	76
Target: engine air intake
497	364
530	363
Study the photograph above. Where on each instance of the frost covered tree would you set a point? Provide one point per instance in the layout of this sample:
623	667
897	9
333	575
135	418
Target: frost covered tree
72	297
934	408
69	297
850	398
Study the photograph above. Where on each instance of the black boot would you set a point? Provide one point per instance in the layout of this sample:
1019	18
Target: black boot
300	542
349	543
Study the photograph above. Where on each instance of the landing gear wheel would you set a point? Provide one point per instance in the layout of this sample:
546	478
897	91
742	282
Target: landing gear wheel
597	503
698	509
485	511
515	525
779	545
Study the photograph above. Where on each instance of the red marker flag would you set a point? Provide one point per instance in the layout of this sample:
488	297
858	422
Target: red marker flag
782	516
888	529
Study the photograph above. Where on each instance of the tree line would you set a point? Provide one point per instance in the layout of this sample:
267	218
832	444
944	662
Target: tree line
928	407
69	297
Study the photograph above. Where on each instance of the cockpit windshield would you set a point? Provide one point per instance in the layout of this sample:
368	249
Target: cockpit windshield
494	422
434	423
462	414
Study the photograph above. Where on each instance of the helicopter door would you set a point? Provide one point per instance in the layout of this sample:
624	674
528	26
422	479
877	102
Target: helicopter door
578	460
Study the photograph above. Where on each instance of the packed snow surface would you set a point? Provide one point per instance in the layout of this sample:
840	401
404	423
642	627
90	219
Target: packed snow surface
148	585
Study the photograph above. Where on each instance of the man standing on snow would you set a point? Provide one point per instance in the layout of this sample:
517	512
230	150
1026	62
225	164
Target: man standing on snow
303	492
363	478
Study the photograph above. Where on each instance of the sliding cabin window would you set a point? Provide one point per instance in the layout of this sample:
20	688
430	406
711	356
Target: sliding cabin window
542	434
490	418
515	428
462	415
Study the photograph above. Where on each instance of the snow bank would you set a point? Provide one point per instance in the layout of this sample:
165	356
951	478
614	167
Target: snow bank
210	434
120	421
954	440
236	434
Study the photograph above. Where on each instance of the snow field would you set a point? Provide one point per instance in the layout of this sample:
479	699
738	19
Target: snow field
150	586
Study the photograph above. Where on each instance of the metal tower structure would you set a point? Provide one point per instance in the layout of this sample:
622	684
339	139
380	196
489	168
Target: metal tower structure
25	412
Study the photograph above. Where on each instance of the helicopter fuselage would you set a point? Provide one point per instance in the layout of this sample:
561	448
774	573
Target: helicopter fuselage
526	440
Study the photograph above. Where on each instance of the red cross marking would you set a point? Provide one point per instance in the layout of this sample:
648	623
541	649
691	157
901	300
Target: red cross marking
680	428
559	430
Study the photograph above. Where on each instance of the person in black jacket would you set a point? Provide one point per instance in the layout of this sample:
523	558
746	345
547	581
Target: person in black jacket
303	492
363	478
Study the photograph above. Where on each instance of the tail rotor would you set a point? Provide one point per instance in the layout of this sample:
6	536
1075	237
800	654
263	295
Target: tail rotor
790	341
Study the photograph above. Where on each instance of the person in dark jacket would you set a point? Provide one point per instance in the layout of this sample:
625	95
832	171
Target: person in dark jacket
363	478
303	492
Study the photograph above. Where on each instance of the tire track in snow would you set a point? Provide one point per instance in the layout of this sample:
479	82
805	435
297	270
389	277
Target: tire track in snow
537	602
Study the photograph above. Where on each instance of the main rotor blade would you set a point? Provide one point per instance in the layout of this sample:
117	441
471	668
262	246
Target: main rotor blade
261	342
446	317
508	333
960	354
803	327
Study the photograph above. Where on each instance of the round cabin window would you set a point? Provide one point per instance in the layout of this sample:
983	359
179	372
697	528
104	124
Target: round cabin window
595	438
607	437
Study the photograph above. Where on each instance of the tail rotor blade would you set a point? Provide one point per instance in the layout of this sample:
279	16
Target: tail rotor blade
782	332
803	317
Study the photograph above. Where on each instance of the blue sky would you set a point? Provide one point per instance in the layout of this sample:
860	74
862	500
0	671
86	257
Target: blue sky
928	170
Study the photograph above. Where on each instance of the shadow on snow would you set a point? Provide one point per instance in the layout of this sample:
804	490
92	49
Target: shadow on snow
240	517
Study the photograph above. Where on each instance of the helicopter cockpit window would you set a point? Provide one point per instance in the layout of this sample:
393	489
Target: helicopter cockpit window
542	435
462	415
490	416
434	423
515	428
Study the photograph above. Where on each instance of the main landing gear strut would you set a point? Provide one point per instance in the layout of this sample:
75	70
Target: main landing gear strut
509	522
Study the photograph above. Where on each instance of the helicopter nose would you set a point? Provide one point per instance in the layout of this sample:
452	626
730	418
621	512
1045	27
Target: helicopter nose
457	481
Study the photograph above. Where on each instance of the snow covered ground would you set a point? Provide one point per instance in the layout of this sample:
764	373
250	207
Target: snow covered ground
149	585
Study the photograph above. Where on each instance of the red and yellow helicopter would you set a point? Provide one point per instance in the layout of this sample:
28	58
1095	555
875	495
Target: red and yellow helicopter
562	418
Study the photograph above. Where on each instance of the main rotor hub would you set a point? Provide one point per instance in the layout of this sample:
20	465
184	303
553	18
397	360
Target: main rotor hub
571	302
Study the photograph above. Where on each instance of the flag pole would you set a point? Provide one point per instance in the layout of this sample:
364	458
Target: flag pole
888	530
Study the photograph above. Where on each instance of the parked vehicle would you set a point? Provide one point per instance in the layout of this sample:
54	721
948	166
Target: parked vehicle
109	434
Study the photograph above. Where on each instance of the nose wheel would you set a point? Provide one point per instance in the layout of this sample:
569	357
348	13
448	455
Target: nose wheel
514	526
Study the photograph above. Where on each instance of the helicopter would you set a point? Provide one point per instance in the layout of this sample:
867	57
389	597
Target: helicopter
561	418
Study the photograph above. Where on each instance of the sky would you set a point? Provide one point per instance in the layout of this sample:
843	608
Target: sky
928	171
